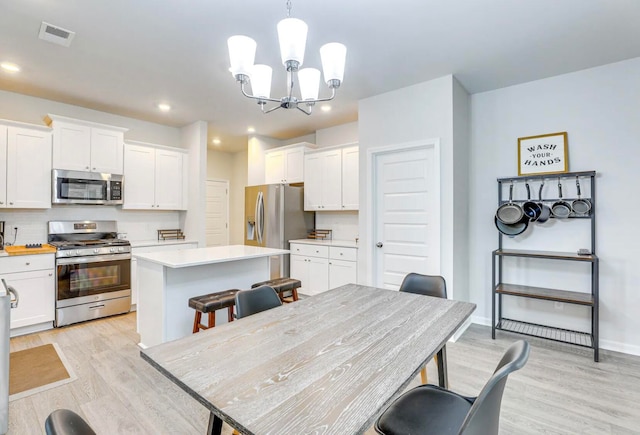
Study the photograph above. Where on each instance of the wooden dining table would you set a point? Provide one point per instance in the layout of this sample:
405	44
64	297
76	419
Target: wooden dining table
329	363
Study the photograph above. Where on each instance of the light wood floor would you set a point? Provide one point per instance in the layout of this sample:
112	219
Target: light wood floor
560	391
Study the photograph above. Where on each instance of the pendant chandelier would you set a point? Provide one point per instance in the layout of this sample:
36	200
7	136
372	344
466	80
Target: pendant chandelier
292	35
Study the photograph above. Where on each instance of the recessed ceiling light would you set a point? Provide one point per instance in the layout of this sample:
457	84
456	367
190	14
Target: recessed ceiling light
10	67
251	130
325	108
216	141
164	107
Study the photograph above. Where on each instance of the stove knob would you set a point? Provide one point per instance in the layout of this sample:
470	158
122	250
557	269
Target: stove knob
68	253
120	249
78	252
112	250
96	251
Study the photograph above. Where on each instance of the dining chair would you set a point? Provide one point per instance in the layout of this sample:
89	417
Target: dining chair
66	422
427	285
429	409
257	299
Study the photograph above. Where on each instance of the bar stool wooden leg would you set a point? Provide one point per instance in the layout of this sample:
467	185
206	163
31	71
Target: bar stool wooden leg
230	314
196	322
294	292
212	319
423	375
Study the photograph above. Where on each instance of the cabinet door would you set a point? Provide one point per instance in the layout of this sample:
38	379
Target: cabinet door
169	180
350	178
28	168
71	146
274	167
106	151
342	272
139	177
312	182
294	165
318	275
3	166
332	180
37	297
300	270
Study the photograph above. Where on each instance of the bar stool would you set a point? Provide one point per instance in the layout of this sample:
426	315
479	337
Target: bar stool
209	304
281	285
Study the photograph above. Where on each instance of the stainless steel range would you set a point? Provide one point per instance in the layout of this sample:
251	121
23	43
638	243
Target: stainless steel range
93	269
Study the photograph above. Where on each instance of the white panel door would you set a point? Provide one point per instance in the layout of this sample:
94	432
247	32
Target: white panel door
274	167
318	275
299	269
71	146
169	179
3	166
28	168
106	151
217	213
312	182
139	177
332	180
294	165
406	215
342	272
350	179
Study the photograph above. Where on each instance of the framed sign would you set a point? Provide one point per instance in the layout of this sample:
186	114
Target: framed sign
544	154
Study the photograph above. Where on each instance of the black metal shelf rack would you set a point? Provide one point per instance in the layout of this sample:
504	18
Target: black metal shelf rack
500	288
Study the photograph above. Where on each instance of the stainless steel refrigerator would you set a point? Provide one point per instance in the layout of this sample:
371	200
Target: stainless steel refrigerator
274	214
6	303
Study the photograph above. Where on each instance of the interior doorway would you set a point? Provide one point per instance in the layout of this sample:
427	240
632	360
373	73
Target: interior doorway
217	213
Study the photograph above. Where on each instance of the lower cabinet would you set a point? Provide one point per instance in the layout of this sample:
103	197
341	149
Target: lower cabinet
33	277
320	268
146	250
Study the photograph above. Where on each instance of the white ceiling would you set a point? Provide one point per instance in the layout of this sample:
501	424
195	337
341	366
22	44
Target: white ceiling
128	55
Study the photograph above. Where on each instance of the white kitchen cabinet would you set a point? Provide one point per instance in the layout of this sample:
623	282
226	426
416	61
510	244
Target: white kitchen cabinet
320	268
323	182
155	178
86	146
285	164
331	179
350	178
153	247
25	166
33	277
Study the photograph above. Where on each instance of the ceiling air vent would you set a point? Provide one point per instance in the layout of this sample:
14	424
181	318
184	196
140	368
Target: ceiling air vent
55	34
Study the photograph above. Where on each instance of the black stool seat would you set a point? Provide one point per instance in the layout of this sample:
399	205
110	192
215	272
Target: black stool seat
281	285
66	422
213	301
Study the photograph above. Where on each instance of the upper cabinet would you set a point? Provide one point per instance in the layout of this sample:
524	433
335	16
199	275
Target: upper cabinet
155	177
285	164
86	146
331	179
25	166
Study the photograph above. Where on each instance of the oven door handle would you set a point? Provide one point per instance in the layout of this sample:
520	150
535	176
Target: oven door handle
93	259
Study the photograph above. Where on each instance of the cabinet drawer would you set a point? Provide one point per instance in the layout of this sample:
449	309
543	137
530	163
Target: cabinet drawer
309	250
339	253
26	263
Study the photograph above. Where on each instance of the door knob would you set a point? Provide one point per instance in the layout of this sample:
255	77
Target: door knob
379	244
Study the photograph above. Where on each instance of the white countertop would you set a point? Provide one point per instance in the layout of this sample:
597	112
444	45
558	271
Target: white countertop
337	243
201	256
147	243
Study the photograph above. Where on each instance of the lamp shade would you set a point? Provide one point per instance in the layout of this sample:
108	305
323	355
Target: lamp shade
309	79
333	57
292	34
261	81
242	53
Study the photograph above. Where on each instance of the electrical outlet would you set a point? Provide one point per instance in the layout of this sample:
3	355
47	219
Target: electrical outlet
558	306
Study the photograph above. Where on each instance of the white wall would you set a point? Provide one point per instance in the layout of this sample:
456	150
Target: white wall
599	109
256	147
338	135
420	112
194	139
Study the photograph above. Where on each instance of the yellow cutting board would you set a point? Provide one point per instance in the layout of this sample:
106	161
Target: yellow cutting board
22	250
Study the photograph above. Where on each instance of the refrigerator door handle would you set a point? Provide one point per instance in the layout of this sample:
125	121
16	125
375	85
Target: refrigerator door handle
260	216
11	291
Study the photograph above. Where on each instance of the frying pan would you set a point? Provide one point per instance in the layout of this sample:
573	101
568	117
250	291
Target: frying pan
545	214
530	208
509	213
512	229
560	209
580	206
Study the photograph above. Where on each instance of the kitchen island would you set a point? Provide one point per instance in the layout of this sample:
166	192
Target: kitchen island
166	281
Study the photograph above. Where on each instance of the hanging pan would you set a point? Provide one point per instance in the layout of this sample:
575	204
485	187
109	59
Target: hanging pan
580	206
530	208
512	229
509	213
545	212
560	209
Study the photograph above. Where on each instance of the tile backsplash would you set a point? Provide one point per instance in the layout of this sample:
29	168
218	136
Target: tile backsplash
138	225
343	224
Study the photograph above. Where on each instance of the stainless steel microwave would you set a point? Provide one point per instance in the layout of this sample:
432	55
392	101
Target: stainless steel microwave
89	188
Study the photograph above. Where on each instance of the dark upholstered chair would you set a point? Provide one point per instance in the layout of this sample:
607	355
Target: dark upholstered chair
427	285
429	409
257	299
66	422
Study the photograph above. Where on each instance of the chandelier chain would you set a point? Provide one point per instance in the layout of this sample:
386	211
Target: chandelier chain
288	8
